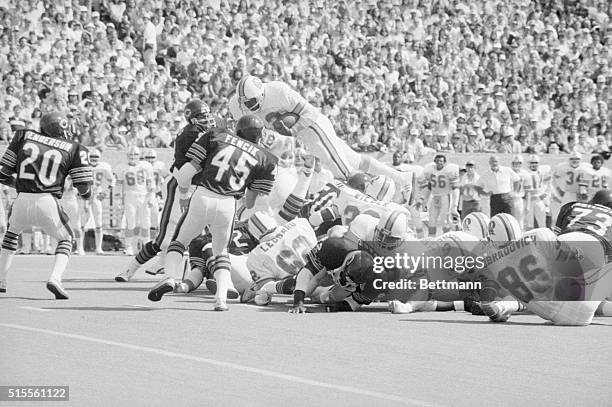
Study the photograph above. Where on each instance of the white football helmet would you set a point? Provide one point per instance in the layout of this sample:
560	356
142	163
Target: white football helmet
575	159
392	229
250	93
476	224
503	229
517	162
261	224
362	228
381	188
151	155
541	235
534	162
94	157
133	155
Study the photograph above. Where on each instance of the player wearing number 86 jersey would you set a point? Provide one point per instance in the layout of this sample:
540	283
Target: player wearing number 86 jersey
41	162
228	166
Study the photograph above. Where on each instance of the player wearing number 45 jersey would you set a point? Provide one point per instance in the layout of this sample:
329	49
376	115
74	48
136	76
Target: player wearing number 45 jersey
200	121
227	166
41	162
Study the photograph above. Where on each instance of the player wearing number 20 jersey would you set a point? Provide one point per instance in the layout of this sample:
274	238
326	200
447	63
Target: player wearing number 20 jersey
41	162
227	166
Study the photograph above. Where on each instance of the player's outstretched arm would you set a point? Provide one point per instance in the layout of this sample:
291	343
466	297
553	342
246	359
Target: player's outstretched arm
183	179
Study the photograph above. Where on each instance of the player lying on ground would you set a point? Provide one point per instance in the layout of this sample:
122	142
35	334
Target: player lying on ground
282	248
36	164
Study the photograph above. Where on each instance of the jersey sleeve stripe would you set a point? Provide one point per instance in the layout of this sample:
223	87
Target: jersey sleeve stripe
299	108
262	186
196	153
9	159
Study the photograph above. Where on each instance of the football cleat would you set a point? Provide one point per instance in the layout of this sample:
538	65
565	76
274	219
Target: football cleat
496	311
2	286
221	306
249	294
125	276
211	284
163	287
262	298
56	288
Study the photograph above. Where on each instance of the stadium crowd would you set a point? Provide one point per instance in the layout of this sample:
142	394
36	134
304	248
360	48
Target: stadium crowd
491	76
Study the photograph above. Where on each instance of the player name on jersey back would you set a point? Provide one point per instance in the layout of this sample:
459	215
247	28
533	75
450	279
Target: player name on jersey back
49	141
245	146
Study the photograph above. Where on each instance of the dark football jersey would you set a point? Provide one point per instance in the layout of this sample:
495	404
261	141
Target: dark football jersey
241	243
595	220
42	163
183	141
230	164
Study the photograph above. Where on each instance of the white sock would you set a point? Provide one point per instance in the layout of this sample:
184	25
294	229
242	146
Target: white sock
134	242
224	281
6	259
459	305
61	262
99	234
79	243
26	242
173	265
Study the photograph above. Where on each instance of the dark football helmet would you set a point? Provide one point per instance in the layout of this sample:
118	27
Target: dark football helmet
55	124
198	113
250	128
602	197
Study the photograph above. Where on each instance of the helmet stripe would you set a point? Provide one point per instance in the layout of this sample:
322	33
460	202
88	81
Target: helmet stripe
504	222
241	86
391	220
258	224
483	224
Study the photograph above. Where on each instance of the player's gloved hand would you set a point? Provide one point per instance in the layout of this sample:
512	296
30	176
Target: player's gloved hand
309	161
101	196
298	309
454	214
583	197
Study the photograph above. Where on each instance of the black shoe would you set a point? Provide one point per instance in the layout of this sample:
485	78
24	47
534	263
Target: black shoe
161	288
57	289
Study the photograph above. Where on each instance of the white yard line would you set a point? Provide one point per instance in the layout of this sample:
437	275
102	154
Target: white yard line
231	365
35	309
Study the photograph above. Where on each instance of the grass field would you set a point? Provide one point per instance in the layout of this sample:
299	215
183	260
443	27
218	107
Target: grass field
115	348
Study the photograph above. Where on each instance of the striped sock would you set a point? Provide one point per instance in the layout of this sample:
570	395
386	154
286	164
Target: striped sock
63	247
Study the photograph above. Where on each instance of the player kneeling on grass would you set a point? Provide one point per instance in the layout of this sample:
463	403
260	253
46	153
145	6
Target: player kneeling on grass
41	162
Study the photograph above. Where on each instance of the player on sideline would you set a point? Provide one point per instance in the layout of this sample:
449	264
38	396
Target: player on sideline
160	173
440	181
228	166
71	206
41	162
200	120
593	178
287	112
137	180
103	181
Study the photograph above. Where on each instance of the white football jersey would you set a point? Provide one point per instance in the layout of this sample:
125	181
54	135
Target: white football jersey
160	172
594	180
103	177
538	182
525	180
565	178
441	182
136	177
282	253
279	98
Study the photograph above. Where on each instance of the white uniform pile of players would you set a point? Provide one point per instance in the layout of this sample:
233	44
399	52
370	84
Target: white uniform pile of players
262	217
